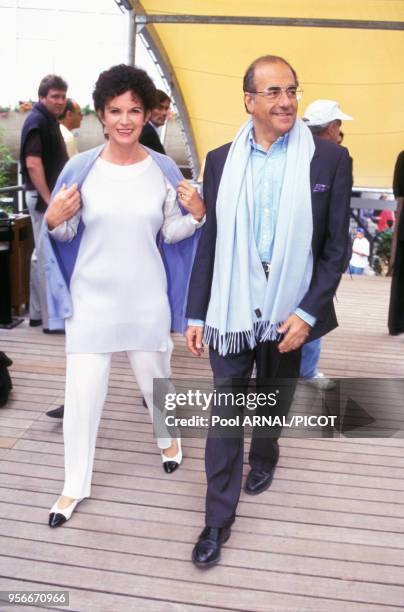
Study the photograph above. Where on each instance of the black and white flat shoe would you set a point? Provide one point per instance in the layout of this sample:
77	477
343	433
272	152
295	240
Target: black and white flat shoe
170	464
58	516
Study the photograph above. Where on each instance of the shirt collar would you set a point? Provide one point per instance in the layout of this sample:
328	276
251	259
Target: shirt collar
281	144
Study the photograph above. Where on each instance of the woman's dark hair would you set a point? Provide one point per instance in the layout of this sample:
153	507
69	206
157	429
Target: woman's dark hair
120	79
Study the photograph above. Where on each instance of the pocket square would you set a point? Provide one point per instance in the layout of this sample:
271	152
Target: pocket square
318	188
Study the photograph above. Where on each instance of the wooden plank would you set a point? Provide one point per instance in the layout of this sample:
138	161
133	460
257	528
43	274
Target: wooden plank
94	529
143	483
150	473
275	558
164	513
307	470
289	478
305	459
389	527
99	601
328	534
231	598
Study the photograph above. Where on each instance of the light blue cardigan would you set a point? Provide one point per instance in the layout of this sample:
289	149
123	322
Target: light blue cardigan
60	257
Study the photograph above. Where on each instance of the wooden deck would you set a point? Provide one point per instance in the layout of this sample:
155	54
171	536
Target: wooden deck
328	535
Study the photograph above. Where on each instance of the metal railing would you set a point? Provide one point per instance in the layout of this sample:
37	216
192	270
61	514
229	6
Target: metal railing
17	203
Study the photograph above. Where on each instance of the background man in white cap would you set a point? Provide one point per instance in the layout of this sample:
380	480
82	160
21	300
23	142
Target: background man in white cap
324	118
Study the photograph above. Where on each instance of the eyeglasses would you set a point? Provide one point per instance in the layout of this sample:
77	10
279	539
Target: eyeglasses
273	93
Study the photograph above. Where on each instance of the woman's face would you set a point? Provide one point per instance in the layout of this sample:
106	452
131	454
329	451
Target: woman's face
123	118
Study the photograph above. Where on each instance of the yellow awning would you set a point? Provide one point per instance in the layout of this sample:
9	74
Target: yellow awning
360	67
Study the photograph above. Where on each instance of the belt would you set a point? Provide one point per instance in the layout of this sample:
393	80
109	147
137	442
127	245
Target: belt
267	267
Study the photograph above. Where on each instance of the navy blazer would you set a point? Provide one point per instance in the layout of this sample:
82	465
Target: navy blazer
331	169
150	138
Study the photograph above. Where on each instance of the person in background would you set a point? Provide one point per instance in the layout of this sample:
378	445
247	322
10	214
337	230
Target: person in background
324	118
70	120
43	155
360	253
396	306
383	216
158	117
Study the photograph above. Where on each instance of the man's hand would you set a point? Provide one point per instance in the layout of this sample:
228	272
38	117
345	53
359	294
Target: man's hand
191	200
63	206
194	335
296	331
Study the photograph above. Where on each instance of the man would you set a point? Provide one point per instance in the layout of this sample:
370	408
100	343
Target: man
268	264
159	114
324	118
42	155
70	120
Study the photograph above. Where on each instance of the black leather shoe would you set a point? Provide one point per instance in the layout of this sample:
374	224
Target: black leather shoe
56	413
207	549
53	331
258	481
35	322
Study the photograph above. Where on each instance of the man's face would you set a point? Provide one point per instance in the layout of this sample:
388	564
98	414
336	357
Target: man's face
55	101
278	116
159	114
76	116
333	131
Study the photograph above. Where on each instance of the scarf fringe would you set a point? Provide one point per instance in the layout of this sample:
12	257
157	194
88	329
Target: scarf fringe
236	342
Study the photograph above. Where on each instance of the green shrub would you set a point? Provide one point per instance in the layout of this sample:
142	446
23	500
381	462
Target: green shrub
383	248
6	162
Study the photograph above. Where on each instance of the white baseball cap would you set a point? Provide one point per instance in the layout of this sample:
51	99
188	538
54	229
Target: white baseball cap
322	112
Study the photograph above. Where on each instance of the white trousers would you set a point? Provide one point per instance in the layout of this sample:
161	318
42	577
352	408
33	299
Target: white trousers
87	377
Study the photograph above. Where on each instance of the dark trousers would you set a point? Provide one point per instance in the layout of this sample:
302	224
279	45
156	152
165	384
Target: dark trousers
224	453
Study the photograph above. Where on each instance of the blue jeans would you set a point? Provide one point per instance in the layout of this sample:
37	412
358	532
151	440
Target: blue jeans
310	358
356	270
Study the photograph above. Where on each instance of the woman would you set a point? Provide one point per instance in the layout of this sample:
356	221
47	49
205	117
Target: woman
116	279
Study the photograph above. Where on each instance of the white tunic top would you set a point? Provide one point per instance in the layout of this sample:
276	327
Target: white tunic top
119	285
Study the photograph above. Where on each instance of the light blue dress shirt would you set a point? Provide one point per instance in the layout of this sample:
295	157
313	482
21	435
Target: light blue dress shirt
268	170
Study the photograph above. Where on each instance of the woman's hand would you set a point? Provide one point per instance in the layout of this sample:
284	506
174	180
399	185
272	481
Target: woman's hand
190	199
63	206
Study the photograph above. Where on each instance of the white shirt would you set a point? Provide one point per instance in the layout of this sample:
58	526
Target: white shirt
360	259
70	140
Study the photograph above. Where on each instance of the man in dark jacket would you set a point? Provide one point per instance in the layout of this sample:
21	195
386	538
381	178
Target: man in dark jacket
42	155
269	260
149	136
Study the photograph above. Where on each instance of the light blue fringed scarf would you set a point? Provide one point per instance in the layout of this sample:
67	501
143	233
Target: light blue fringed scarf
245	307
